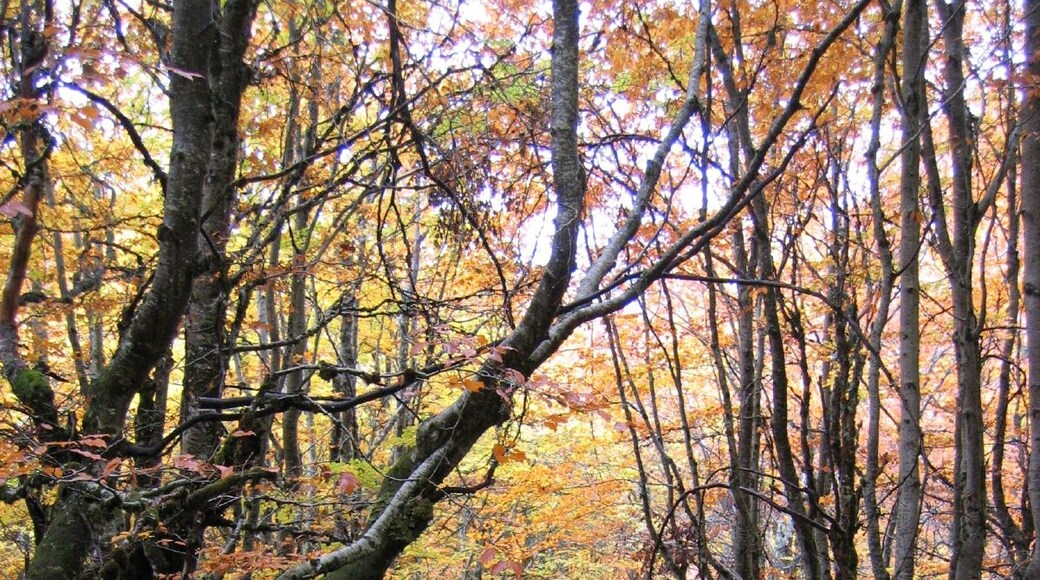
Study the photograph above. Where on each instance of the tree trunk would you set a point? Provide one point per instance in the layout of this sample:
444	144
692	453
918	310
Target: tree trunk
345	441
913	114
878	561
1031	257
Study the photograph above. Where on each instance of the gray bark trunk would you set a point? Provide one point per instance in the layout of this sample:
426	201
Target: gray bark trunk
878	560
1031	257
913	114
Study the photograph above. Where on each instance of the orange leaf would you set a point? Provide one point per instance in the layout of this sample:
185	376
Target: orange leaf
94	441
111	466
499	452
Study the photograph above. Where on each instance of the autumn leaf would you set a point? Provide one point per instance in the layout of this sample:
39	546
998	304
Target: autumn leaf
112	465
94	441
347	483
510	565
13	208
87	454
184	73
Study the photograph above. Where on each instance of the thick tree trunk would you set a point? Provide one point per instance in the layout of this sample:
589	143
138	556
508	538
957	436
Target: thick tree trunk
205	344
154	324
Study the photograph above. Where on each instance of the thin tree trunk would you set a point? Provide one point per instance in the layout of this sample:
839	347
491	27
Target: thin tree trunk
1031	257
913	113
345	441
809	553
878	560
958	255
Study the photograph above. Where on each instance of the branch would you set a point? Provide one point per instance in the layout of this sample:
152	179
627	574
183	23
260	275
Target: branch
198	498
377	532
128	126
784	509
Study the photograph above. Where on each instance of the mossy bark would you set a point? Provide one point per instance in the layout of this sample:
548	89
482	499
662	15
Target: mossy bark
34	391
76	523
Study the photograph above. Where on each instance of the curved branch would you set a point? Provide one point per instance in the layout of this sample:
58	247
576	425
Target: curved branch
128	126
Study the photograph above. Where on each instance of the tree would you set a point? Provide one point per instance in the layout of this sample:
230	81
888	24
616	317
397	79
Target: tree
331	278
910	439
1031	263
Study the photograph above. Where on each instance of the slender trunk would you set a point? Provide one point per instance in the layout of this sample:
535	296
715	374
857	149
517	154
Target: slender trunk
344	445
913	113
747	544
623	379
778	423
1031	257
71	326
1016	541
407	325
958	255
878	559
295	328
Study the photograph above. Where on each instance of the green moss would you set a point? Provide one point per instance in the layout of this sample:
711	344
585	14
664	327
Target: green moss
33	389
365	472
412	521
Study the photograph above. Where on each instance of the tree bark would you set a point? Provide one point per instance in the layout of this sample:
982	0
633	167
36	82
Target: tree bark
1031	257
958	254
913	115
878	563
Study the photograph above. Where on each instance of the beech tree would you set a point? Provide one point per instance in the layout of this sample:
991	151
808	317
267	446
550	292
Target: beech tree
299	288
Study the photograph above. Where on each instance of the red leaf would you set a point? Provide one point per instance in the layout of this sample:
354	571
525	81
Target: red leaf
507	565
489	554
94	441
514	376
184	73
86	454
347	483
187	462
14	208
